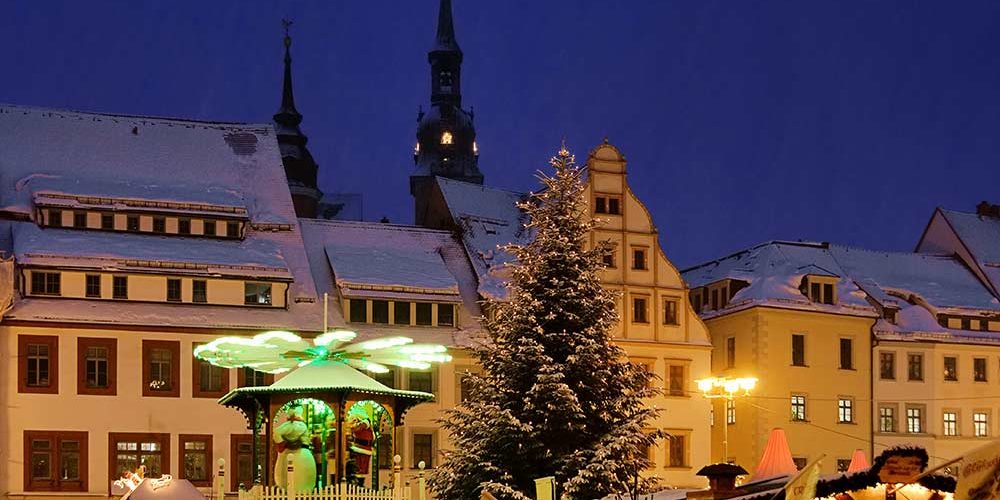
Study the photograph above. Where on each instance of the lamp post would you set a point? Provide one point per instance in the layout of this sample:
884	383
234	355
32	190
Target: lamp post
728	389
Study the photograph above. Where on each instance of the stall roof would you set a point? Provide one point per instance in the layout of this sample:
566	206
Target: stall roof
325	376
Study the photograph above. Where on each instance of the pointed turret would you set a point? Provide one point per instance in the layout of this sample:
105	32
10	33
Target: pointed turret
446	137
446	29
300	167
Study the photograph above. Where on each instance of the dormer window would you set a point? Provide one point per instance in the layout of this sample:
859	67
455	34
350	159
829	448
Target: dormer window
257	294
446	137
820	289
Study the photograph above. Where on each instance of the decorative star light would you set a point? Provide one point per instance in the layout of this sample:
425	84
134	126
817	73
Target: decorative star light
280	351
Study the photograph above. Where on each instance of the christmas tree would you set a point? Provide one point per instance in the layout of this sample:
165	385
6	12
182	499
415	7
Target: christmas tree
556	397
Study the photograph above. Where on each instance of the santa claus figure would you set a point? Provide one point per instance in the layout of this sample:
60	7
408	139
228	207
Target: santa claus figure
293	438
361	446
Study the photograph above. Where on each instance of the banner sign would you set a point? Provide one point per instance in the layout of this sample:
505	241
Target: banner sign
979	476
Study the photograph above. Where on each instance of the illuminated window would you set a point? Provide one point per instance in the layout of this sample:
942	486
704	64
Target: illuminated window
950	423
845	410
980	424
914	419
799	408
730	411
446	137
475	148
887	419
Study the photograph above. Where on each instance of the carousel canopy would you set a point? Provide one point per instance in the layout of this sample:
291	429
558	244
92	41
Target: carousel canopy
325	376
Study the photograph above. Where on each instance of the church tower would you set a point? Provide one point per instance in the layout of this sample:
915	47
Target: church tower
300	167
446	138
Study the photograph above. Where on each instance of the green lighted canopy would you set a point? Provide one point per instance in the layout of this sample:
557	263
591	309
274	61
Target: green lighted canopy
281	351
329	377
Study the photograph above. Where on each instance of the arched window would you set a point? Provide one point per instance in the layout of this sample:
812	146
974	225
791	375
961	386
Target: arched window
446	137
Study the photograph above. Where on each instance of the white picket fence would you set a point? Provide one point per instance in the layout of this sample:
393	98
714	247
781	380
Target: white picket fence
343	491
340	491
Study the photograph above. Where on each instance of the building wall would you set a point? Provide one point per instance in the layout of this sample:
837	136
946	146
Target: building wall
657	342
934	396
153	287
763	349
127	411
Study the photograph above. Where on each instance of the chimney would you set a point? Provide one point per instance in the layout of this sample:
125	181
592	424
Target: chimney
986	209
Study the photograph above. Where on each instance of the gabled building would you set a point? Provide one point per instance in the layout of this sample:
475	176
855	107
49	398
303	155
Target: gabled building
659	328
853	349
128	255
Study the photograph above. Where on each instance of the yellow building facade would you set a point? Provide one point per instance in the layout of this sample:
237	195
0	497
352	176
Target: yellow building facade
854	349
658	329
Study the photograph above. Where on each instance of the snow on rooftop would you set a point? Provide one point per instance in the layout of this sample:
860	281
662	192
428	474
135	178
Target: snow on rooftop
407	259
155	159
139	157
386	264
76	248
490	219
775	269
981	234
774	272
943	281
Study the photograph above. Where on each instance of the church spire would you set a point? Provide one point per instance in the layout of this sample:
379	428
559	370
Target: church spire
446	29
287	114
446	136
300	167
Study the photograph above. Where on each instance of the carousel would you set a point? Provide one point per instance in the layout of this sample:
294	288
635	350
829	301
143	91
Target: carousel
331	420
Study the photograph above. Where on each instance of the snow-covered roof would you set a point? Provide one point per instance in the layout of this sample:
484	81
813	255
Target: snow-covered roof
981	236
141	157
919	285
489	219
391	261
214	166
774	272
942	281
76	249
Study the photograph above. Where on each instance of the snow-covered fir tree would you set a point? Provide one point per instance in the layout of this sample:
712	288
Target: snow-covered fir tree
556	396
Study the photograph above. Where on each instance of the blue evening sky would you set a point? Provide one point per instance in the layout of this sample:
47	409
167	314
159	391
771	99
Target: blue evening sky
843	121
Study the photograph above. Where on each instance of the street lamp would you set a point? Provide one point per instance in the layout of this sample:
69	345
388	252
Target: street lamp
728	389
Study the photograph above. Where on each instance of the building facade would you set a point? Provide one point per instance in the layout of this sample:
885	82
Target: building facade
658	327
854	349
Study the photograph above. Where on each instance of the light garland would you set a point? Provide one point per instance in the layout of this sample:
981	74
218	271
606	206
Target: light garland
281	351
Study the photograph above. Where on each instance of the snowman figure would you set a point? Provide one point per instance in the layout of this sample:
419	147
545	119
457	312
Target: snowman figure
293	438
